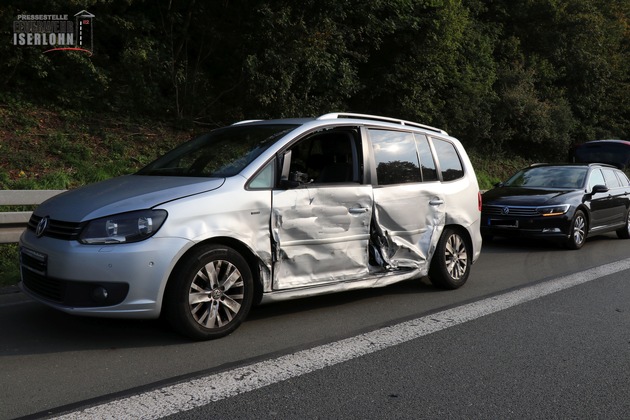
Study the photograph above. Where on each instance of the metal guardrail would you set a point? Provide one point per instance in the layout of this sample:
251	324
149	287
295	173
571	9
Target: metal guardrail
13	223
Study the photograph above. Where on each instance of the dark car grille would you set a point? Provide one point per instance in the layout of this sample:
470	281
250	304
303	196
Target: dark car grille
523	211
57	229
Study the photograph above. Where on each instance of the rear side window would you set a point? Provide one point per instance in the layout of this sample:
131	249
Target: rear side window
623	179
611	178
448	158
427	164
396	157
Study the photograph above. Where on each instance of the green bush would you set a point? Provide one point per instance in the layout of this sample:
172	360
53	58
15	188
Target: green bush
9	264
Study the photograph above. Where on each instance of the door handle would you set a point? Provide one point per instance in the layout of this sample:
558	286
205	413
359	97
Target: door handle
436	202
358	210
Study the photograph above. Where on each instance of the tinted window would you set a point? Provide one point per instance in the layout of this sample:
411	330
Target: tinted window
427	164
396	157
450	165
569	177
623	179
328	156
596	178
611	178
220	153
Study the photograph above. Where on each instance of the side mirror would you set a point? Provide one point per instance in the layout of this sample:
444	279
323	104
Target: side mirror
600	189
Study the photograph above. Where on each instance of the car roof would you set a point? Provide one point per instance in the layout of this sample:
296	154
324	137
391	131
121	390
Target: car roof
348	117
576	164
626	142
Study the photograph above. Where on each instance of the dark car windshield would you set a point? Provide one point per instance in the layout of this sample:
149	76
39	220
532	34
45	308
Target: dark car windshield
220	153
565	177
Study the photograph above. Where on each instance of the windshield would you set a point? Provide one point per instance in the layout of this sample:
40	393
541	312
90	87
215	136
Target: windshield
220	153
564	177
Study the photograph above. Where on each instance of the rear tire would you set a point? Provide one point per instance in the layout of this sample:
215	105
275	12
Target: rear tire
210	293
451	261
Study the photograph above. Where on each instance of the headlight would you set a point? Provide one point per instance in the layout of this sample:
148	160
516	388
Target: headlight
123	228
553	210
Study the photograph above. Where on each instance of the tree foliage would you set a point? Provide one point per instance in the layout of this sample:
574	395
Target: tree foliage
527	77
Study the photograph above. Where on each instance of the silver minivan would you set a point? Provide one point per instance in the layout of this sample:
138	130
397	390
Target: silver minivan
259	211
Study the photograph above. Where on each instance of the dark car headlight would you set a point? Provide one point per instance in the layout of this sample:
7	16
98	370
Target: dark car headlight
123	228
553	210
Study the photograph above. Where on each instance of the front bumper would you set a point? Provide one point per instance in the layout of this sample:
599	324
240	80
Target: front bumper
121	281
552	227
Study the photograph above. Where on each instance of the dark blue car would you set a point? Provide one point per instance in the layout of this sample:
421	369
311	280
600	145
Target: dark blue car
565	202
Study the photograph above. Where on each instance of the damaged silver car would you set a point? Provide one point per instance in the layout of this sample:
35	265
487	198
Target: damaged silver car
259	211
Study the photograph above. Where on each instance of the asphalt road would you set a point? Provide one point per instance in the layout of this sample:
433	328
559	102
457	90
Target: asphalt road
560	355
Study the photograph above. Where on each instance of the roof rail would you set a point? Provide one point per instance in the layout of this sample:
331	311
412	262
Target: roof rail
245	122
336	115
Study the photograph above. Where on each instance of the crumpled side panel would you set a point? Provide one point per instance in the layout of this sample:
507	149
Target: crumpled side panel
321	235
408	224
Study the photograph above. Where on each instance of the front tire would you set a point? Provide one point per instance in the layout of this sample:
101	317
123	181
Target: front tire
451	261
578	231
210	293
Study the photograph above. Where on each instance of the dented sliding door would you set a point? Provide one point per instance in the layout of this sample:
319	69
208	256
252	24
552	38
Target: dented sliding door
321	234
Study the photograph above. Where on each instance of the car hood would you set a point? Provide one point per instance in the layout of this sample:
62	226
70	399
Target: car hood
122	194
516	196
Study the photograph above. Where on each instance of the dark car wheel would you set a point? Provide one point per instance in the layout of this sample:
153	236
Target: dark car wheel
450	266
578	231
209	293
624	232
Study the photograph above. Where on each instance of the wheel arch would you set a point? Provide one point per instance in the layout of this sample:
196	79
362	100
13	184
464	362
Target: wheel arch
587	215
249	256
463	232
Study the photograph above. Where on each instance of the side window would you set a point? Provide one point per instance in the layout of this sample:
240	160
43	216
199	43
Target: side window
396	157
427	164
326	157
623	179
450	164
264	178
596	178
611	178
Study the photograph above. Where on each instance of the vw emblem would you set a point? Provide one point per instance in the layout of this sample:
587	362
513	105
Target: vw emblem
505	210
41	227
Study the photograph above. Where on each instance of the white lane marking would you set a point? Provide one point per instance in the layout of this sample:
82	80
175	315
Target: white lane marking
199	392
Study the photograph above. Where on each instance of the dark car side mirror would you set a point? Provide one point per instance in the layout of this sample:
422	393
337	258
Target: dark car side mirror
600	189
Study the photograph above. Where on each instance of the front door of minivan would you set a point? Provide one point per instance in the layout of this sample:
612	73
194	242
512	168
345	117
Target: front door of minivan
321	234
321	214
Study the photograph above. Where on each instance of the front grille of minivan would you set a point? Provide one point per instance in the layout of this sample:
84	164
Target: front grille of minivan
56	228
